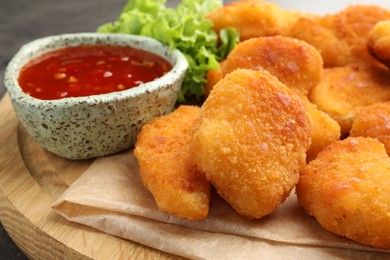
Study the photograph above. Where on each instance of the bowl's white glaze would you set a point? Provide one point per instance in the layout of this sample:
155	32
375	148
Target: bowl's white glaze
97	125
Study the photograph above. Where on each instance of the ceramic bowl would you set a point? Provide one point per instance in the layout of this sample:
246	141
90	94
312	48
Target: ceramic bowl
96	125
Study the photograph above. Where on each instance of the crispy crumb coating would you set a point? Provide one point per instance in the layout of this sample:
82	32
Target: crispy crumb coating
347	189
324	129
379	41
374	121
295	63
314	31
341	38
354	23
212	77
251	18
167	170
251	140
344	90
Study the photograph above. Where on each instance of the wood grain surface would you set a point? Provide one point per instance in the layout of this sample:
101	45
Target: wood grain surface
30	180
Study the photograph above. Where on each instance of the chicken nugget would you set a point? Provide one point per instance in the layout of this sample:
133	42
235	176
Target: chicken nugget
295	63
324	129
347	189
166	168
212	78
344	90
354	24
251	18
374	121
341	38
379	42
251	140
334	51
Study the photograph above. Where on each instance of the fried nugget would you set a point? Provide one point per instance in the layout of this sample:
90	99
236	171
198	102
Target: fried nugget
166	168
294	62
374	121
334	51
344	90
212	78
251	18
379	42
324	129
347	189
354	24
341	38
251	140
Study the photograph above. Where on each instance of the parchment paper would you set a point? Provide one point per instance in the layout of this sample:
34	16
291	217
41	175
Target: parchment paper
110	197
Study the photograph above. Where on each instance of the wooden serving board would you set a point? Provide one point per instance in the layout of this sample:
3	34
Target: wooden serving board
30	180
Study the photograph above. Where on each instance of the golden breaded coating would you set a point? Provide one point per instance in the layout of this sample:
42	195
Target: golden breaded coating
251	18
212	77
354	24
374	121
347	189
294	62
379	42
166	167
324	129
297	65
343	90
341	38
251	140
334	51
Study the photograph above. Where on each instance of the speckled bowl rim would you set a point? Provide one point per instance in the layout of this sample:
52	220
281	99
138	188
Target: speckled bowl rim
175	57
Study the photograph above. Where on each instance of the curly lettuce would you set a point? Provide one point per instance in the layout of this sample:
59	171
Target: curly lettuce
185	28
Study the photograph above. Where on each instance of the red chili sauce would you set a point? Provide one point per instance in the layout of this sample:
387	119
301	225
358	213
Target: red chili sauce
89	70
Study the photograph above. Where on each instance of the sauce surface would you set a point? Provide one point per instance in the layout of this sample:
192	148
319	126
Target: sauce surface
89	70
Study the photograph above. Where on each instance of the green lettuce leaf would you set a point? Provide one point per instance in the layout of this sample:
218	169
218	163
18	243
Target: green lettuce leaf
185	28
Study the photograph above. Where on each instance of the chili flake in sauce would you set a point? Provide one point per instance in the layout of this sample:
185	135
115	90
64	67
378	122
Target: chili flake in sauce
89	70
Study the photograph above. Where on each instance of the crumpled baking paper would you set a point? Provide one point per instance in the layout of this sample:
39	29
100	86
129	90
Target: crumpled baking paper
109	196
